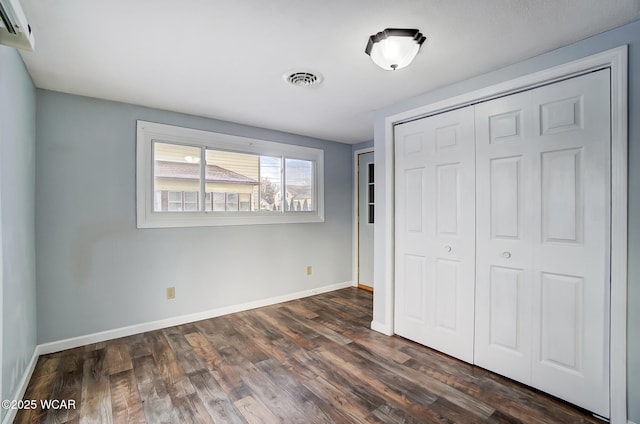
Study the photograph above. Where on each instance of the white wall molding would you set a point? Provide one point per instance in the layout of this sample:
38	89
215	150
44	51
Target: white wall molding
102	336
22	386
616	60
619	233
381	328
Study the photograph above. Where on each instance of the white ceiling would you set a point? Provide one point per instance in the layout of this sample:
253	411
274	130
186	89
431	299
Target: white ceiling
225	59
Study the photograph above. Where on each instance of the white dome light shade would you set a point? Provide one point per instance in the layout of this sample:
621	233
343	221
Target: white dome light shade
394	48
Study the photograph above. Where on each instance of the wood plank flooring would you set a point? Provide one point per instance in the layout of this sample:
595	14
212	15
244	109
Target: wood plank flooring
312	360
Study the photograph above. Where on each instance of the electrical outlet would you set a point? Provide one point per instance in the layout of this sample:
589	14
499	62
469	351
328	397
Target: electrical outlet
309	270
171	292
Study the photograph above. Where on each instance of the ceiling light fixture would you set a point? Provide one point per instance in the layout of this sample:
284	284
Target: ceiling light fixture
394	48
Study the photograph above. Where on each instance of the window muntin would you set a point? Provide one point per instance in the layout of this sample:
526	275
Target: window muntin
197	178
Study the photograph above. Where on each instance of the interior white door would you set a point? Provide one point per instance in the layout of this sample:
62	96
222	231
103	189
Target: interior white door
571	253
543	162
435	232
504	211
366	219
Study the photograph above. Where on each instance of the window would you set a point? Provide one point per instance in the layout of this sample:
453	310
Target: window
175	201
370	194
190	178
299	185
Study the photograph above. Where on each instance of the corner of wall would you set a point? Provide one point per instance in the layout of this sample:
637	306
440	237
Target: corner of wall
17	225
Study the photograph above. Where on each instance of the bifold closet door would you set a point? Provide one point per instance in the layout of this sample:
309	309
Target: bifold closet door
435	220
543	218
505	209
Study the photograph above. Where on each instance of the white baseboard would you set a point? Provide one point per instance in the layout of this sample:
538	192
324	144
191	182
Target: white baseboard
102	336
381	328
22	387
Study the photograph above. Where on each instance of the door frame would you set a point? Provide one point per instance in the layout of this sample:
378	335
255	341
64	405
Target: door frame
356	206
616	60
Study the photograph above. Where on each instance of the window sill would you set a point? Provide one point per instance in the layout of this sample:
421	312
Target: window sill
198	219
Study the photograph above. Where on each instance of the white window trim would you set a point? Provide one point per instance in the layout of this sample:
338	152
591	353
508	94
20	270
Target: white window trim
148	132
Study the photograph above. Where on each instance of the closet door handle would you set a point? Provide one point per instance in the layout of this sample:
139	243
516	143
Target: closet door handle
506	255
448	249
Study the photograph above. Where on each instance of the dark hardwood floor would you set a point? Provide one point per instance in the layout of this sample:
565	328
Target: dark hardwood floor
312	360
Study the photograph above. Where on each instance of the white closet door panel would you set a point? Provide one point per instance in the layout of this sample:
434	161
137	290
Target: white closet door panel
505	188
412	207
503	269
505	127
562	198
446	294
412	266
506	299
543	205
435	232
415	269
447	193
561	319
570	256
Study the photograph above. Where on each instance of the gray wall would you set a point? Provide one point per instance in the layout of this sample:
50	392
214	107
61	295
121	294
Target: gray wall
628	34
97	272
17	194
363	145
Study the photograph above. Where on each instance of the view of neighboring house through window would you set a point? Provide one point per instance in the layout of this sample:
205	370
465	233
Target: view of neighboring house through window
187	177
234	181
176	177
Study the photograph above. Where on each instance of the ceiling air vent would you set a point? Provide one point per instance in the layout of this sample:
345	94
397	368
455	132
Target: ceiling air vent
302	78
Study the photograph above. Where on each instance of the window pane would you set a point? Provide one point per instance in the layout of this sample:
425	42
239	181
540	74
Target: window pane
191	201
371	194
176	169
175	201
232	202
270	174
219	202
233	173
245	202
299	185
